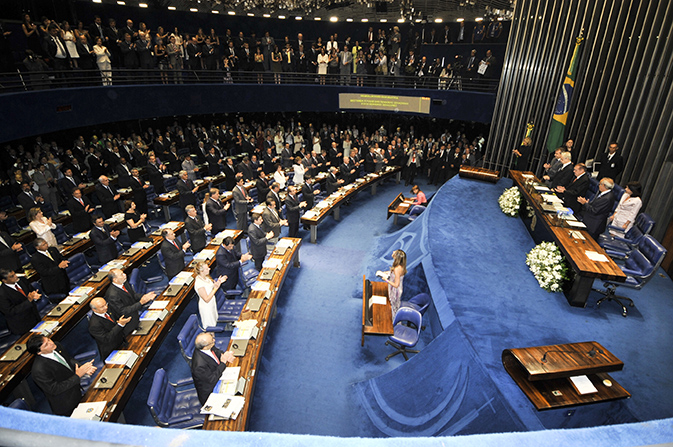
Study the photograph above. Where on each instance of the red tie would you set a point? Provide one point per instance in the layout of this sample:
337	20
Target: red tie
215	356
245	193
176	245
108	317
20	290
124	289
81	201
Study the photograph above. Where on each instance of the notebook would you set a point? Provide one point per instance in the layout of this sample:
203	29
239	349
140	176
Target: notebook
108	378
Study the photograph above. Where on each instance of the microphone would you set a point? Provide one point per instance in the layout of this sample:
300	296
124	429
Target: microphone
592	353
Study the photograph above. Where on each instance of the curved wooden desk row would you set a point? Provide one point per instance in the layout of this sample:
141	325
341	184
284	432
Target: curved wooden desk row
574	248
346	192
13	372
145	346
249	363
399	207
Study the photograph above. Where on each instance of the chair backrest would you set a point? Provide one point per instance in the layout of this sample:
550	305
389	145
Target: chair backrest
12	225
644	222
652	250
19	404
161	398
618	191
643	263
24	257
137	283
422	300
410	315
6	202
170	183
149	192
47	209
78	269
187	336
593	188
43	304
162	263
60	234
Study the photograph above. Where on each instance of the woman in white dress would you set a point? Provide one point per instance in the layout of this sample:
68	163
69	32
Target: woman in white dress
316	143
323	60
628	208
206	289
279	141
279	177
298	141
69	37
396	279
103	61
299	172
42	226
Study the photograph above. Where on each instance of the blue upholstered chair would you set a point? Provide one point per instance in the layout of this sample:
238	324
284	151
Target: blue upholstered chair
407	327
173	408
641	265
415	211
60	234
228	310
143	286
19	404
188	334
78	270
620	246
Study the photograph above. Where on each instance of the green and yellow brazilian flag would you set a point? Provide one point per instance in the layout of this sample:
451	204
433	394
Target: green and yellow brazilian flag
558	123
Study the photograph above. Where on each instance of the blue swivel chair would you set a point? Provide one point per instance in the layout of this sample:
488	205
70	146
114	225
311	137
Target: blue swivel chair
416	211
641	265
228	310
420	302
143	286
171	407
19	404
44	305
407	327
188	334
61	235
78	270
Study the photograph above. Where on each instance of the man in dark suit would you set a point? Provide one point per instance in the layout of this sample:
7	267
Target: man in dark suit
80	210
104	239
208	363
123	300
51	265
228	261
578	187
17	303
292	208
9	252
85	52
595	212
138	186
332	182
107	196
187	190
611	162
28	198
216	211
123	171
241	201
174	254
245	168
258	240
196	229
271	220
155	172
230	174
274	195
564	175
69	182
308	193
54	47
262	186
57	374
106	328
213	160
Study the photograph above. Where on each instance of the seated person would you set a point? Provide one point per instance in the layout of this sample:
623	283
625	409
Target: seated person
420	196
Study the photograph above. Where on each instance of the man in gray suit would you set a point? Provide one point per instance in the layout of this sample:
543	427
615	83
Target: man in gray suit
258	240
241	200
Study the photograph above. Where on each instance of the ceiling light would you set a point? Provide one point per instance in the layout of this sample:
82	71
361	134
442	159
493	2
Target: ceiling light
267	15
298	18
98	1
438	20
333	19
418	20
193	9
365	20
400	20
215	11
172	8
231	13
318	19
349	20
142	5
119	2
281	17
478	19
460	20
384	20
251	14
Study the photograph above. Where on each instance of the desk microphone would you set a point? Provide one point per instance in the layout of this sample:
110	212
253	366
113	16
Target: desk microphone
591	353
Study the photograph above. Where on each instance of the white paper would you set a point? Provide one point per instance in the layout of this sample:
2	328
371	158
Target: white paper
583	385
285	243
89	411
272	263
597	257
576	224
158	305
378	299
551	198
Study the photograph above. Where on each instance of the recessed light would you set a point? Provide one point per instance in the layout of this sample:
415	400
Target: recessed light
142	5
318	19
298	18
384	20
418	20
349	20
251	14
172	8
231	13
438	20
193	9
98	1
215	11
479	19
119	2
281	17
333	19
365	20
460	20
400	20
267	15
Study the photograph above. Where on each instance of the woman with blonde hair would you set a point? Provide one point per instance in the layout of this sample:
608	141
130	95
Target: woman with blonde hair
396	279
42	226
299	171
520	159
206	289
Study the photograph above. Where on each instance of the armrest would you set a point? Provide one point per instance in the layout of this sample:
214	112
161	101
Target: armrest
233	292
214	329
184	382
153	279
177	419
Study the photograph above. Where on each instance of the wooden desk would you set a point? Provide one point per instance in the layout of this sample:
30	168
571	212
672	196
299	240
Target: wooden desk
250	362
146	346
573	249
399	206
377	319
12	373
543	372
344	193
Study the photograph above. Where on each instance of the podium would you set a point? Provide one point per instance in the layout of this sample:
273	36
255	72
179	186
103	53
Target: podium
543	373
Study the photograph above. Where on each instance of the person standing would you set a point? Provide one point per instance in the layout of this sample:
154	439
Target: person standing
241	201
103	56
595	212
292	210
17	303
208	364
105	240
123	300
396	280
51	266
206	289
258	240
106	328
174	254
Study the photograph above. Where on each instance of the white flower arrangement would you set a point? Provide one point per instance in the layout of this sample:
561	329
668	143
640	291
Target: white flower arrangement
548	265
509	201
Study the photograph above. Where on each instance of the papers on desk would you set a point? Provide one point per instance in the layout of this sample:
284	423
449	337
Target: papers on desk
583	385
126	358
245	330
226	233
81	291
542	188
223	405
576	224
204	255
285	243
258	209
229	382
152	315
261	286
596	257
89	411
172	225
311	214
114	264
142	245
378	299
322	204
227	194
82	235
272	263
45	327
181	279
123	190
158	304
64	213
527	176
551	198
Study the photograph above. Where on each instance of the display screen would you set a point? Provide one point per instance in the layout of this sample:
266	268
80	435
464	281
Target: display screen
388	103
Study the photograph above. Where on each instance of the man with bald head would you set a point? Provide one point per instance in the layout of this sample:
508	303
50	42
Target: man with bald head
124	301
208	363
106	328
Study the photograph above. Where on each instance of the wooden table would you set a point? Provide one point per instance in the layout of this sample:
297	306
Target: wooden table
250	362
344	193
399	206
146	346
13	373
377	319
543	372
573	248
